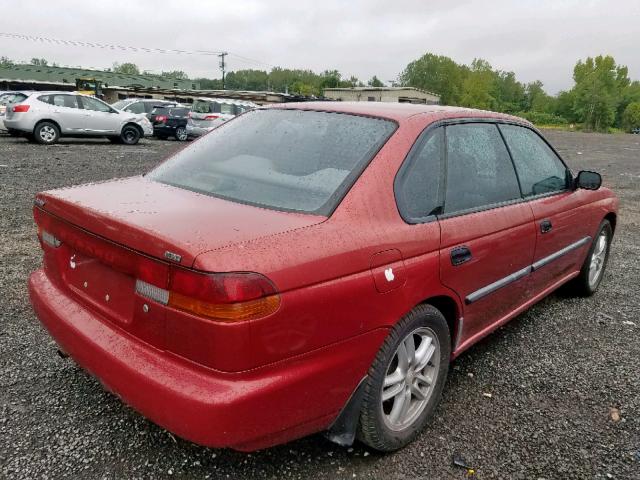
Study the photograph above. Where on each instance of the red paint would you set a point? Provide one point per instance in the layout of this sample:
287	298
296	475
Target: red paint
251	384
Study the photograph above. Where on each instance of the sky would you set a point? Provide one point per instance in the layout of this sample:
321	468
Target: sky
538	40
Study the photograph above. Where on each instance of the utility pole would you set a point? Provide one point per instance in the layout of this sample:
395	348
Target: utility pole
222	55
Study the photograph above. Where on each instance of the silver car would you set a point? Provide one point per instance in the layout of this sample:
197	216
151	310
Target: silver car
47	116
208	113
7	98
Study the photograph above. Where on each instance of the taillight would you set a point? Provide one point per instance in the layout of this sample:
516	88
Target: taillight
20	108
217	296
211	117
161	118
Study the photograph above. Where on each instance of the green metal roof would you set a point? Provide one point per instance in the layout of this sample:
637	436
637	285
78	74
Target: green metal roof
26	72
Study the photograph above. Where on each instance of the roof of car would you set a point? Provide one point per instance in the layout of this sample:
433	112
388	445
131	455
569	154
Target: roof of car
398	111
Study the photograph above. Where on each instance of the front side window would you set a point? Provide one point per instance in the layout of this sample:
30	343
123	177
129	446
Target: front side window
479	170
419	184
60	100
90	103
289	160
539	168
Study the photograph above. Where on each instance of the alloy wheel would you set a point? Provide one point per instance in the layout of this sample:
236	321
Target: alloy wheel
47	133
410	378
598	258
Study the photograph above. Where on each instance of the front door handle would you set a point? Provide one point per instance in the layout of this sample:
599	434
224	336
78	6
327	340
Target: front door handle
545	226
460	255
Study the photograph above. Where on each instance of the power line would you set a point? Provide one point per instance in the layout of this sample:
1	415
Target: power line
125	48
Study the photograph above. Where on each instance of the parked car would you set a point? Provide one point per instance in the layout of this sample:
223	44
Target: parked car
170	122
47	116
314	266
143	106
208	113
635	131
7	98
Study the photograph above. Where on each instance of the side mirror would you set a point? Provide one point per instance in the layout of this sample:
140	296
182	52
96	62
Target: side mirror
588	180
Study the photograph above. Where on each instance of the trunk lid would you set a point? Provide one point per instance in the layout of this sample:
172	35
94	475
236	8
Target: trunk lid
154	218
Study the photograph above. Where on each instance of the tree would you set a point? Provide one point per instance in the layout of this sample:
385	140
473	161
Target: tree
126	68
177	74
375	82
508	92
437	74
39	62
598	90
6	62
631	116
478	85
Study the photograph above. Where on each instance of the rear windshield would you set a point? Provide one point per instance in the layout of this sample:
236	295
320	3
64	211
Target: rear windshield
8	98
291	160
179	112
160	110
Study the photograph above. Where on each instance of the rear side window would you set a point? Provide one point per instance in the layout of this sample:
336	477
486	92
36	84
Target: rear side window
539	168
479	170
137	107
289	160
419	184
60	100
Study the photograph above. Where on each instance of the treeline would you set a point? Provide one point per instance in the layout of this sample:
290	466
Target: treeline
603	96
296	81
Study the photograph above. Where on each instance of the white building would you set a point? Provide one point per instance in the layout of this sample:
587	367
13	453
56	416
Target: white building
382	94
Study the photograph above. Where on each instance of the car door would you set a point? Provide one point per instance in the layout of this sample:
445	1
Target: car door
66	111
562	232
487	233
100	118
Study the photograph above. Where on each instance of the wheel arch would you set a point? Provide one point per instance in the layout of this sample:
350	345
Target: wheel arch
451	312
133	124
46	120
613	219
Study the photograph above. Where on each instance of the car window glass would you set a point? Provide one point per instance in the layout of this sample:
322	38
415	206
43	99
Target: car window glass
8	98
227	109
61	100
479	170
137	107
419	187
200	106
539	168
283	159
179	112
96	105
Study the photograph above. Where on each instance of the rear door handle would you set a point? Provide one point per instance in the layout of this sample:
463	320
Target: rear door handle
545	226
460	255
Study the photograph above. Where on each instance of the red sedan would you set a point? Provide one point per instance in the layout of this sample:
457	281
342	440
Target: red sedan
314	267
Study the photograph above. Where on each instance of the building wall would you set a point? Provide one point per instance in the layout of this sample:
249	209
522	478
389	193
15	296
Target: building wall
381	95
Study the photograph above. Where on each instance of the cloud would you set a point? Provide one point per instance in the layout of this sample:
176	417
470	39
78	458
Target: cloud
535	39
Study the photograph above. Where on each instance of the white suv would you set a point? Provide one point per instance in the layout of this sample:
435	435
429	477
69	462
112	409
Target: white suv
47	116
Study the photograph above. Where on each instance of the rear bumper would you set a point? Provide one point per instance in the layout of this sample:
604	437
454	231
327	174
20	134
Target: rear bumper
24	124
194	131
163	130
246	411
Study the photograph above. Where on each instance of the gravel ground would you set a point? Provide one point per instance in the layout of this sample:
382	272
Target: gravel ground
563	378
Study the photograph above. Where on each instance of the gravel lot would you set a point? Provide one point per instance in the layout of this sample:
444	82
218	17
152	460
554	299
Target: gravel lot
554	374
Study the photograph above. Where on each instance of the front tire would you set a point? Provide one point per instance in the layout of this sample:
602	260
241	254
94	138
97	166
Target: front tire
594	266
405	381
130	135
46	133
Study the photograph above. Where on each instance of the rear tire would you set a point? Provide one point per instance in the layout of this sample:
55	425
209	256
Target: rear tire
46	133
414	380
181	134
130	135
594	266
